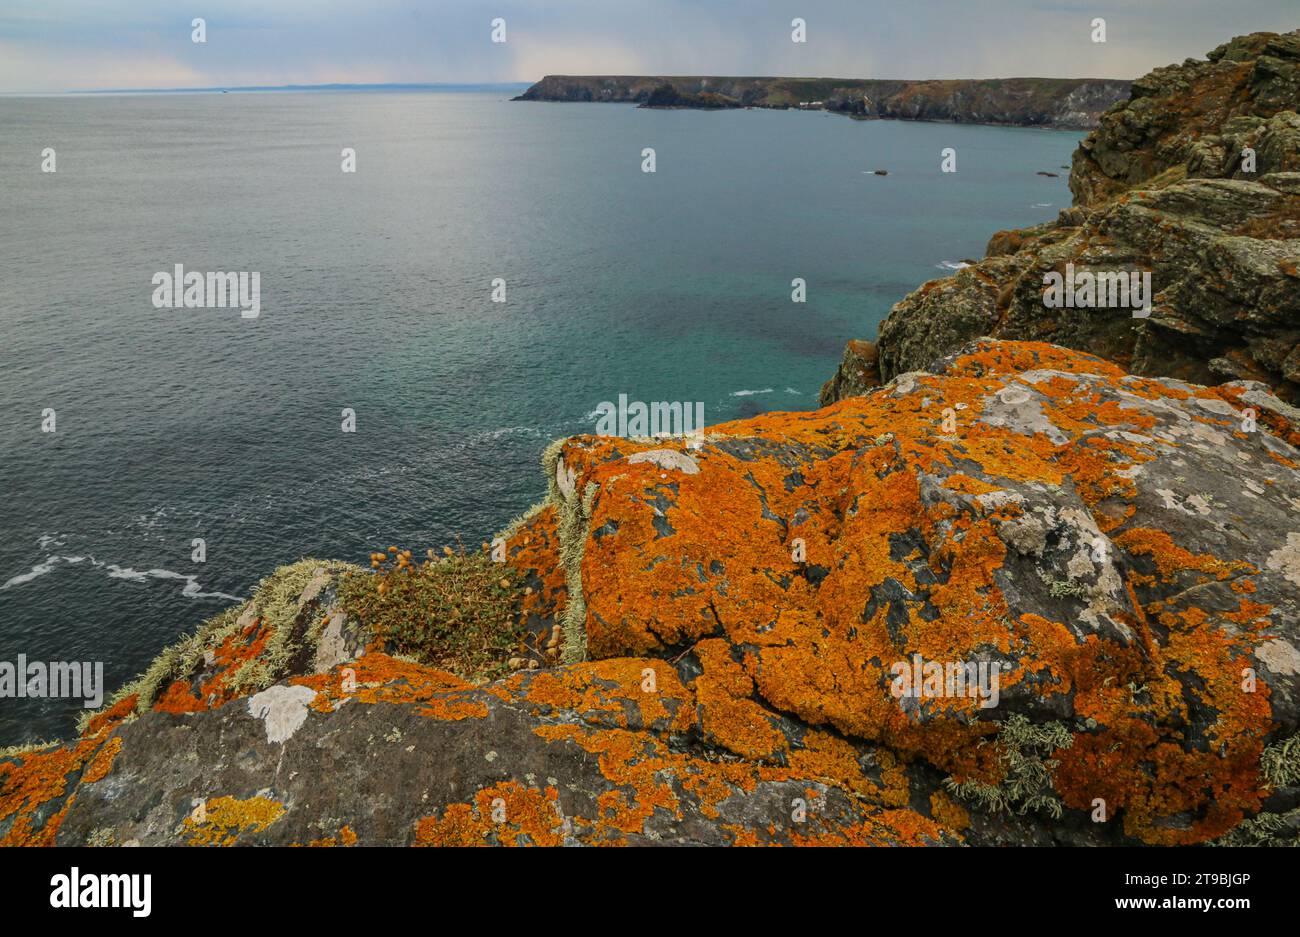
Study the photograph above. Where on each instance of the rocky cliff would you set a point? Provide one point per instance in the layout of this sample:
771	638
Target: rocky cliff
1194	181
1038	102
735	642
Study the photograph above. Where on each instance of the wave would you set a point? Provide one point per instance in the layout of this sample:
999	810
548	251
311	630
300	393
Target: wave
952	265
191	590
750	393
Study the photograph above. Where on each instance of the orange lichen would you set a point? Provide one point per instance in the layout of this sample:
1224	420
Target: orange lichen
947	812
1170	559
225	819
377	678
217	685
35	780
102	763
506	814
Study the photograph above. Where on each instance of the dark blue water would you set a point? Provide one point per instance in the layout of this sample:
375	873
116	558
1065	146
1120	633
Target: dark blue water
174	424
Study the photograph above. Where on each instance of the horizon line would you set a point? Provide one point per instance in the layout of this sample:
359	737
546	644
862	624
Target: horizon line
325	86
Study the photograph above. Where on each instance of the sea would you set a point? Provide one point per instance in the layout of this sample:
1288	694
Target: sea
378	293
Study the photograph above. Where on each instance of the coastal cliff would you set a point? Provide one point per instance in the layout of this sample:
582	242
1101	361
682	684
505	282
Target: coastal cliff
1066	103
1195	180
996	592
710	636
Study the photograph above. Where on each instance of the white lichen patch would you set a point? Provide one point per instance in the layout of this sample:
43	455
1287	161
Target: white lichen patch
1193	504
565	479
1216	405
1020	413
669	459
1286	559
282	709
1280	657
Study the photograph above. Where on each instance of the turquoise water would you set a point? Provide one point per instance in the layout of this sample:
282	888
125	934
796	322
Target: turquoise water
376	295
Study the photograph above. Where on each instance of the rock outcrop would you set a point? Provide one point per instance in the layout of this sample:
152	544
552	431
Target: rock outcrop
1066	103
1194	181
1105	569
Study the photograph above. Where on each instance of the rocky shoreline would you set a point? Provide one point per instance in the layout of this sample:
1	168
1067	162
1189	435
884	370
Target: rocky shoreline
1061	103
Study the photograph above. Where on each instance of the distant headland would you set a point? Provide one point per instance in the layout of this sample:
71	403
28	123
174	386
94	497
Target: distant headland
1062	103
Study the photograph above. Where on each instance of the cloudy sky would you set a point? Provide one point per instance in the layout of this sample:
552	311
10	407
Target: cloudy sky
56	45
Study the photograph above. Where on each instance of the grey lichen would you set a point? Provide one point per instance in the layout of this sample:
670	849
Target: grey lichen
1280	762
1062	589
573	512
17	751
1267	829
277	599
1024	750
574	524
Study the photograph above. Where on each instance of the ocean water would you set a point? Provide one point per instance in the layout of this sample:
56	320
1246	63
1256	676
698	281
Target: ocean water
376	286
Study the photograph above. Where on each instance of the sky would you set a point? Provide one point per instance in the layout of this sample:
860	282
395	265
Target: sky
74	45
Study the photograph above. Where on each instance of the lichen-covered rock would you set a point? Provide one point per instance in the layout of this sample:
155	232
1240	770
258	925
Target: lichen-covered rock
1161	188
1186	112
1105	568
389	752
1123	549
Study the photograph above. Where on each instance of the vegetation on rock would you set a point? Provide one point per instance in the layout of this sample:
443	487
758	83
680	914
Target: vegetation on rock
456	611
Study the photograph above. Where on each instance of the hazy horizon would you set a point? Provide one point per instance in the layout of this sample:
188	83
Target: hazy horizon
51	46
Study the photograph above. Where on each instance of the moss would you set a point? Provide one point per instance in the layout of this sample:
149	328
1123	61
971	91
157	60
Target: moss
1023	750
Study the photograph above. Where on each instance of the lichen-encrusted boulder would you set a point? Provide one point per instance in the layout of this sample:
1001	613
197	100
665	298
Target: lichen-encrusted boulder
1126	549
1161	188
